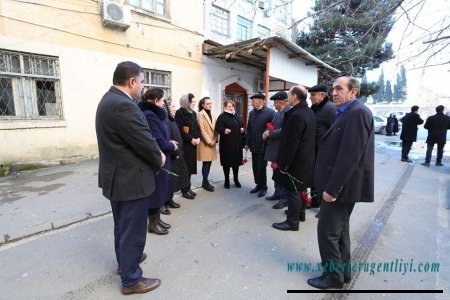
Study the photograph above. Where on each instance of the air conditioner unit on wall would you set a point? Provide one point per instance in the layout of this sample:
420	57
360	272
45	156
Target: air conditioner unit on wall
260	86
116	15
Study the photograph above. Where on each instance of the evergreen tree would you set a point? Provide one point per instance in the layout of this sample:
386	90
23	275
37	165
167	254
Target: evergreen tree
380	95
388	92
403	91
367	89
350	34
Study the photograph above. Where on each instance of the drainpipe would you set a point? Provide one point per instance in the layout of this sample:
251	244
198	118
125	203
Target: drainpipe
267	74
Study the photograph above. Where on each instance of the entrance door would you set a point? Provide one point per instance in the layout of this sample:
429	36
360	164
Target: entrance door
239	95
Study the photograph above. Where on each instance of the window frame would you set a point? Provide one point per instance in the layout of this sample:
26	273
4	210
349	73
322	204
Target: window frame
153	11
219	17
264	28
240	26
25	79
166	87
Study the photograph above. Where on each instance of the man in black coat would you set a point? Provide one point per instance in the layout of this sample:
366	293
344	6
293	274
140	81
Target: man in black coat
296	155
272	138
437	127
257	122
128	158
325	112
344	175
409	131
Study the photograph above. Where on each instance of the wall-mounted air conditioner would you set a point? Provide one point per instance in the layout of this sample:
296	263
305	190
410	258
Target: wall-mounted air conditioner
261	5
260	86
116	15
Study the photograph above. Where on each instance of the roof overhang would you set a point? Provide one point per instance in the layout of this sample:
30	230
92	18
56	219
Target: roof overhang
254	52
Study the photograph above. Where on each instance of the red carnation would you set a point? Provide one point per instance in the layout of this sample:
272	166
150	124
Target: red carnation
274	165
269	126
305	197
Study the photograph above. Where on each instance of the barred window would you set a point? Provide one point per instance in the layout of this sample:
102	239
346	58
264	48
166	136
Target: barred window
155	6
244	29
29	86
161	79
220	20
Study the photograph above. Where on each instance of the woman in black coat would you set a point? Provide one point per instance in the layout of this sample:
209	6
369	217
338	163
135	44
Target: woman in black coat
231	131
152	106
186	119
179	166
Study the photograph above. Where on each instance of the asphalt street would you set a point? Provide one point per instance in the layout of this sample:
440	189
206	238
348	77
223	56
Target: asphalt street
57	238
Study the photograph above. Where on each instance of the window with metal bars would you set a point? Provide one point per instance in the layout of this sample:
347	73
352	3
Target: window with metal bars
220	20
29	86
155	6
244	29
157	78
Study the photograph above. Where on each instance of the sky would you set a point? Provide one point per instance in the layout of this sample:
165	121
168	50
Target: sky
434	79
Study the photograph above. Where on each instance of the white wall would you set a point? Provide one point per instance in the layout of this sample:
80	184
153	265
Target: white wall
217	74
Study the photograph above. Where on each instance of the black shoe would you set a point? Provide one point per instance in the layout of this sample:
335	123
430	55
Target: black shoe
192	193
187	195
438	164
273	197
173	204
426	164
284	226
317	215
280	204
407	160
262	193
164	224
157	229
237	183
325	281
226	184
208	187
254	190
164	210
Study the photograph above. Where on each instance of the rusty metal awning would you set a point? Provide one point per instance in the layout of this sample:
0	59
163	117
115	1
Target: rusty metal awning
253	52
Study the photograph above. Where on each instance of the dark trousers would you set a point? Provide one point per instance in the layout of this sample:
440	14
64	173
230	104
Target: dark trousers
188	187
333	233
296	206
226	172
259	166
206	167
440	152
130	232
406	147
279	192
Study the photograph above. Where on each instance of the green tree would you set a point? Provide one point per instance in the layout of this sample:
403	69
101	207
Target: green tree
380	95
388	92
367	89
350	34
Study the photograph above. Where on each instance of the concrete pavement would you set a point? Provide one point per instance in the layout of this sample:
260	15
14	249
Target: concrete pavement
57	237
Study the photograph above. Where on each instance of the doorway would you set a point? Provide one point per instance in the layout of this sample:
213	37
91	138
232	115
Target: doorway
239	95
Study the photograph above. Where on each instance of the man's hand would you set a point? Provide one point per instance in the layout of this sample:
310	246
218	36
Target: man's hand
242	130
327	197
163	159
227	131
265	134
175	143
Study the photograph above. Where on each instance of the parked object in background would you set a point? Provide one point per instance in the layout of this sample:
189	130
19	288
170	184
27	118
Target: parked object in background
380	124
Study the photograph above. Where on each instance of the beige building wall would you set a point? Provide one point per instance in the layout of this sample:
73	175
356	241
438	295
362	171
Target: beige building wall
88	54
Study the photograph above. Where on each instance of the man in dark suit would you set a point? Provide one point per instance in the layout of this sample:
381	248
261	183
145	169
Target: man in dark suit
437	127
325	112
128	156
272	138
295	170
257	120
409	131
344	175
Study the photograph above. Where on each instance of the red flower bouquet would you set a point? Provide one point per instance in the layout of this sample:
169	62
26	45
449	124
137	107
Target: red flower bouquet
269	126
245	160
305	197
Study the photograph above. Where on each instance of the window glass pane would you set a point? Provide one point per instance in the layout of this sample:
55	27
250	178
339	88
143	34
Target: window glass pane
219	20
160	7
15	64
244	29
6	97
135	2
147	5
46	98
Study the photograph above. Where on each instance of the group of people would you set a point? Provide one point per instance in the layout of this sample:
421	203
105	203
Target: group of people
437	126
391	125
328	147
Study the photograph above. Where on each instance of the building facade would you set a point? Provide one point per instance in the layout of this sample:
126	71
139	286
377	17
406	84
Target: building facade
57	59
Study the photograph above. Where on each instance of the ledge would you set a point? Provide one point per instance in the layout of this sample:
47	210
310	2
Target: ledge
31	124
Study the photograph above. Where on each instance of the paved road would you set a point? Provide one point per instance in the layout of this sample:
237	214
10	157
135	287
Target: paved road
58	244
